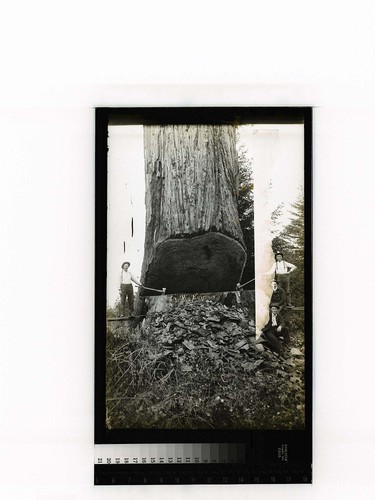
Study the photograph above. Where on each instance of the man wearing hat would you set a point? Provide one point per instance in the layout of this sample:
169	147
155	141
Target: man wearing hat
278	297
275	329
126	288
282	270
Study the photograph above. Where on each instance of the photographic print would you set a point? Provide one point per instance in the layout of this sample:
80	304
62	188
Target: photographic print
205	285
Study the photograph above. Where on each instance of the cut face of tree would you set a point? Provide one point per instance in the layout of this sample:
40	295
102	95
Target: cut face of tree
194	241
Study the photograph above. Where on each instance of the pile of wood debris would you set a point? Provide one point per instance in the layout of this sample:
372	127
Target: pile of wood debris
202	332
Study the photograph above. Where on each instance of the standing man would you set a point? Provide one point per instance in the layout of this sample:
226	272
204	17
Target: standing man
282	269
275	329
126	288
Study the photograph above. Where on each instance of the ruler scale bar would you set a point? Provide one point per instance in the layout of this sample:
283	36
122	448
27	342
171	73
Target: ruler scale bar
201	474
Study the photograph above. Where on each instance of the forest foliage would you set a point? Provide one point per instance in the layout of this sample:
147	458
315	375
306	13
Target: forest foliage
245	204
290	240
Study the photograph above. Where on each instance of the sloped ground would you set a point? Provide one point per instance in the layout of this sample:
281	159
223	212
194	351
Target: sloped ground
197	365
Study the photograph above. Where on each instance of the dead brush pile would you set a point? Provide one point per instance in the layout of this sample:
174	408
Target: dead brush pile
197	365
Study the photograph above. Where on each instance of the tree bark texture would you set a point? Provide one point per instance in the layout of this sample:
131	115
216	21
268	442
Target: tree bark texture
194	241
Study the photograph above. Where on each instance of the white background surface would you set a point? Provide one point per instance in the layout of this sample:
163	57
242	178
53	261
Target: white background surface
58	61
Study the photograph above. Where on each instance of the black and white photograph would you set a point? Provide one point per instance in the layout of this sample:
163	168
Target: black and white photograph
205	276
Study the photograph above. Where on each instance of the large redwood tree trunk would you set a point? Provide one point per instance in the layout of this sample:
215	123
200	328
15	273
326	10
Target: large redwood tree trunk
193	241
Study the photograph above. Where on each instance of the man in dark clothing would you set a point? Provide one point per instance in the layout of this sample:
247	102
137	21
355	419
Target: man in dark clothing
275	329
278	297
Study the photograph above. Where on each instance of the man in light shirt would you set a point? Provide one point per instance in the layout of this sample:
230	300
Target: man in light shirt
126	288
282	269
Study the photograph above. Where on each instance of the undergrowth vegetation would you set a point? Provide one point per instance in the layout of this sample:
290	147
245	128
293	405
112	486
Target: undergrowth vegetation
199	366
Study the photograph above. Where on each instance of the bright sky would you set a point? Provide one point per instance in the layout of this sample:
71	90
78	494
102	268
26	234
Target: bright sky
126	201
277	153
